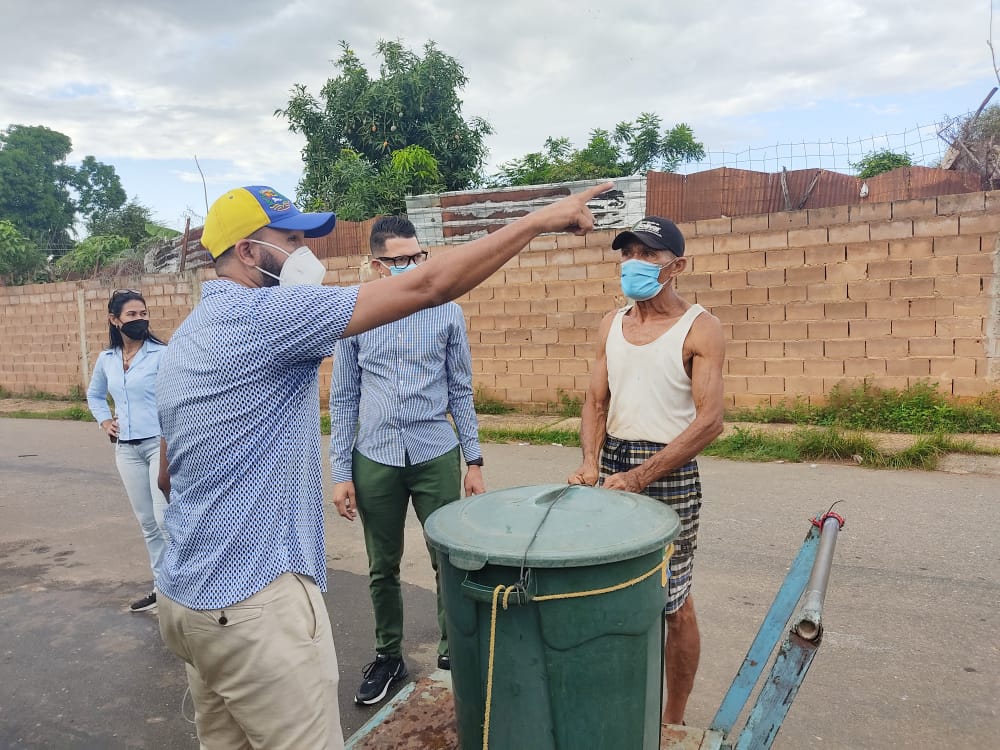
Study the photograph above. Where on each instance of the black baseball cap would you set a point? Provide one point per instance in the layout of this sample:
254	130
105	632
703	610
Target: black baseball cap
655	232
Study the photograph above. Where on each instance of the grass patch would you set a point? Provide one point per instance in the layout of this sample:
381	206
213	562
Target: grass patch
76	394
542	436
831	444
486	404
71	413
568	406
919	409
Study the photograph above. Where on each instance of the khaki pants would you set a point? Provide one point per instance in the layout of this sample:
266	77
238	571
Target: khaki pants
267	678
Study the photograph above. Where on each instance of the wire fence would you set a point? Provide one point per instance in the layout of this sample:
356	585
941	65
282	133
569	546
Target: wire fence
922	143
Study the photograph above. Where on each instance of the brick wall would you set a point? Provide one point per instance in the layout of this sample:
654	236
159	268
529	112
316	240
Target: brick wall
890	292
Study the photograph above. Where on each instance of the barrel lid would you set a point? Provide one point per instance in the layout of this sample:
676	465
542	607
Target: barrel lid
550	526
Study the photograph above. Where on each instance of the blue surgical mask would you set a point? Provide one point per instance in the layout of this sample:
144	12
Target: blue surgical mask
640	279
396	271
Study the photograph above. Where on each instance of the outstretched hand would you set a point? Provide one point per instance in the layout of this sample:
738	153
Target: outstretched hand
571	213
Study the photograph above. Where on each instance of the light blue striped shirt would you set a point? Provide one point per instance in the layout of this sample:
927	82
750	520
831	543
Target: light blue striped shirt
397	383
238	394
134	392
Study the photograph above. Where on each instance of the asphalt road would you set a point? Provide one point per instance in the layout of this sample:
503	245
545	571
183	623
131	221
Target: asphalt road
911	655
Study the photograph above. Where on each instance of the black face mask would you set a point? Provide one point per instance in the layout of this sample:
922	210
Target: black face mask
136	330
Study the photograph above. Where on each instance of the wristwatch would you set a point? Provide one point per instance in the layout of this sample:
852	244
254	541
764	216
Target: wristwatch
475	462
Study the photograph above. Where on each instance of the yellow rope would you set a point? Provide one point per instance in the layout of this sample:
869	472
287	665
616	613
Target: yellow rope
489	671
662	566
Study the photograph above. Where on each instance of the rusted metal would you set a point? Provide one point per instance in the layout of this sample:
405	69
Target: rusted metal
452	218
184	243
675	737
419	717
739	192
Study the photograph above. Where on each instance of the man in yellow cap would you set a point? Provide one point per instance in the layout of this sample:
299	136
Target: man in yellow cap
238	398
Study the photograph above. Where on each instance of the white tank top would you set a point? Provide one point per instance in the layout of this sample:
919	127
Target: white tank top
650	390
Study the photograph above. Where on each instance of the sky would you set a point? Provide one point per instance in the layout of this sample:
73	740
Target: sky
149	87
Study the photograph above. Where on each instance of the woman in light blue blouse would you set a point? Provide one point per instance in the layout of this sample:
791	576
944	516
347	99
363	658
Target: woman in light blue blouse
127	371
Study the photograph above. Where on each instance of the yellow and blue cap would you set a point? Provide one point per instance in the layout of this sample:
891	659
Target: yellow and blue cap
242	211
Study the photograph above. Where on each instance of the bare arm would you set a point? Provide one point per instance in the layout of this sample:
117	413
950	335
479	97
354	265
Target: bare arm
449	275
594	415
708	354
163	478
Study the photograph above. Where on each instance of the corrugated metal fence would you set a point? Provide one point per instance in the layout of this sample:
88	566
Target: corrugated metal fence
457	217
740	192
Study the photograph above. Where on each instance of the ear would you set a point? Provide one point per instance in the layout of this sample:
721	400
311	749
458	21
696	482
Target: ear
247	252
678	267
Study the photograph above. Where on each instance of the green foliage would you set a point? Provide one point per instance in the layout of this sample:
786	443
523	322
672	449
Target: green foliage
98	188
812	444
538	436
878	162
417	168
361	129
486	404
94	253
133	221
919	409
21	261
631	148
35	182
71	413
41	194
569	406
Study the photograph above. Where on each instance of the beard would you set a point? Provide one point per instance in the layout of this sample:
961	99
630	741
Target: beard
269	264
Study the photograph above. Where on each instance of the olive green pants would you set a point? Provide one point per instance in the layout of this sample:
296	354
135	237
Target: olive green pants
383	495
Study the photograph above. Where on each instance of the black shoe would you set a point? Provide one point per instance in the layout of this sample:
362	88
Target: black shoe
379	675
147	602
444	661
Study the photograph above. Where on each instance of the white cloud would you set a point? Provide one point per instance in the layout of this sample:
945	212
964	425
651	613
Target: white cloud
166	81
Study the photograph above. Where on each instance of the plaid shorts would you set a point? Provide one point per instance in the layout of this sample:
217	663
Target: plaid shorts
681	490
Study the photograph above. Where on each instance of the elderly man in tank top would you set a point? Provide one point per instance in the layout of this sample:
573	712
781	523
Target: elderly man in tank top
654	402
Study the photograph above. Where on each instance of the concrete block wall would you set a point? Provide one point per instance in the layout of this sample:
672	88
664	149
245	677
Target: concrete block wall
893	293
889	292
50	334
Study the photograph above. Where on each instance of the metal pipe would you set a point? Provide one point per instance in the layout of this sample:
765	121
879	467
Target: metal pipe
809	622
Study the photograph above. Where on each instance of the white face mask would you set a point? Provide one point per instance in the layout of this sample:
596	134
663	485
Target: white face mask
301	268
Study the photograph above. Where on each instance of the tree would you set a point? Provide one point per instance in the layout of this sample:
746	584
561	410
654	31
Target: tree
365	128
99	189
20	259
133	221
34	183
41	194
878	162
631	148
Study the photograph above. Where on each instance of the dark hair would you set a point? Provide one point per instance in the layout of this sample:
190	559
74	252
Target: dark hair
386	228
118	299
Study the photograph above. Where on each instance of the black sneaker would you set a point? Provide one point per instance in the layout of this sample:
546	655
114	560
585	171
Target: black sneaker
145	604
379	675
444	661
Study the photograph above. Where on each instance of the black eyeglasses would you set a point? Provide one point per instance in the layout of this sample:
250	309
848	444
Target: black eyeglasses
119	292
402	261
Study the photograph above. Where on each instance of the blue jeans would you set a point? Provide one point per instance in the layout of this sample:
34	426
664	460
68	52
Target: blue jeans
139	466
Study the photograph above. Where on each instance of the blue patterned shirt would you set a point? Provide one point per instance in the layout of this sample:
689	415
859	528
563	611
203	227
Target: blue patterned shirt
397	383
238	396
134	391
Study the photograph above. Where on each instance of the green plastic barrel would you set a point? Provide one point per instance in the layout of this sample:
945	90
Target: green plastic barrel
577	655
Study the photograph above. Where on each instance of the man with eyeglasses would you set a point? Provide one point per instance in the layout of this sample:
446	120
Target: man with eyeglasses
397	384
655	400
